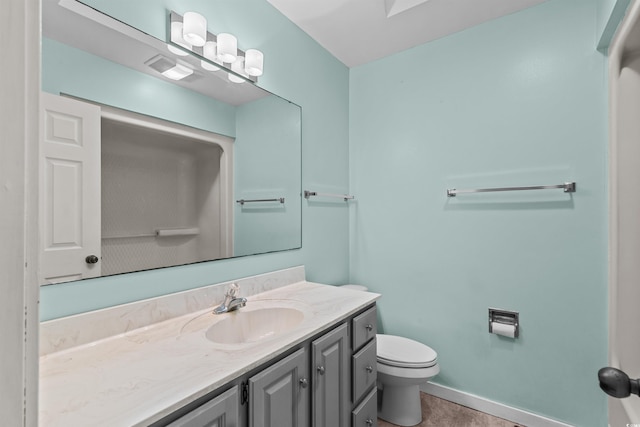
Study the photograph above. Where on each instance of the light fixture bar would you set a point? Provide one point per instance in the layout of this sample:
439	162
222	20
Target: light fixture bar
200	51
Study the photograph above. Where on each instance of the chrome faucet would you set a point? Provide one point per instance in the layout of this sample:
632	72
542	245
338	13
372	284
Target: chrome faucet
231	302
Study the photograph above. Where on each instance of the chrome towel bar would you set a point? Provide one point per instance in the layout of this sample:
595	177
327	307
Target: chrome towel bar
243	201
569	187
308	194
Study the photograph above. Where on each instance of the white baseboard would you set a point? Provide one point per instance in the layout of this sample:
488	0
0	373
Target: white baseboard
496	409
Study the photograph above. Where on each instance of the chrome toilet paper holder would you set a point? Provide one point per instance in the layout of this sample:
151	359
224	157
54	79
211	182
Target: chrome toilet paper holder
506	317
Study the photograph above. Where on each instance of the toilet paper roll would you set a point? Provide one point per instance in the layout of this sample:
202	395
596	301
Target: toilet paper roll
503	329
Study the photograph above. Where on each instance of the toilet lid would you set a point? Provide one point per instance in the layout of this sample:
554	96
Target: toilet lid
404	352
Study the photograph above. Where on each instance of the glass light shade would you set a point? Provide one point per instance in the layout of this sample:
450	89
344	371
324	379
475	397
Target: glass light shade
178	72
209	51
194	28
176	37
237	66
227	47
254	62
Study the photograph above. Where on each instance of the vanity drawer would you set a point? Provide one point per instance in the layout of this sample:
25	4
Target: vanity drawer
365	370
366	414
364	327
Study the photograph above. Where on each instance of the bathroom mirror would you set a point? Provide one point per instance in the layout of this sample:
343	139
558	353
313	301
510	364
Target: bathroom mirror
190	170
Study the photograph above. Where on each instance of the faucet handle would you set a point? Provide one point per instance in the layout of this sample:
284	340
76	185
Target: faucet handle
233	290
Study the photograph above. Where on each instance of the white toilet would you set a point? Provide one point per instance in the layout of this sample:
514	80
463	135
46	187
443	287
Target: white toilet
403	365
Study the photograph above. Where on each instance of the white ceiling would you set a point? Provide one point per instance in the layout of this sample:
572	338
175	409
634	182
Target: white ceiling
360	31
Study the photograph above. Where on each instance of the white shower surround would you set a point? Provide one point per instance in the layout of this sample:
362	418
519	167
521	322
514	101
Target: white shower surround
187	185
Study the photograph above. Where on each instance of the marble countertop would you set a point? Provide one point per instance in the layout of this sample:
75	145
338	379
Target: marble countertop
137	377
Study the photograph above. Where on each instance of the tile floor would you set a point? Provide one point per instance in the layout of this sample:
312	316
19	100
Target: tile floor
437	412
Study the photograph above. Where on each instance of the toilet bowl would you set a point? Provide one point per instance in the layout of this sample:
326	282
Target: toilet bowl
403	366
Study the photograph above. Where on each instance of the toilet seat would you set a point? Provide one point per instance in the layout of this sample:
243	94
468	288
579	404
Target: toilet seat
404	353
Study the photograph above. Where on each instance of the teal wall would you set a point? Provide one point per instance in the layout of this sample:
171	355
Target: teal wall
292	61
610	14
66	70
267	162
517	101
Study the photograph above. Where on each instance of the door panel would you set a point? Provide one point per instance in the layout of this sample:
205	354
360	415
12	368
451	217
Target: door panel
330	360
221	411
69	188
279	395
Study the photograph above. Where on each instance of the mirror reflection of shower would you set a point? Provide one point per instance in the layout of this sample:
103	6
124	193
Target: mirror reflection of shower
163	203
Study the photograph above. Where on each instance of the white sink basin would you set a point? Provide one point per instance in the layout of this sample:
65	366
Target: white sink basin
248	325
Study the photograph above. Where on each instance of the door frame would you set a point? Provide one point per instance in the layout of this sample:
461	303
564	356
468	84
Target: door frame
616	54
19	132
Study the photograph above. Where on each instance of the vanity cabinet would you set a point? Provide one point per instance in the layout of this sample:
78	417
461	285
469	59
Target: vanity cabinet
221	411
279	395
326	381
364	372
331	369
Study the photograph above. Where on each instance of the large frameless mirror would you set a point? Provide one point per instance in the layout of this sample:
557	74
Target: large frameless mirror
141	170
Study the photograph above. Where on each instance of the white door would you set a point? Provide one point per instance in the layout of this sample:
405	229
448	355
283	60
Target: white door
69	189
624	218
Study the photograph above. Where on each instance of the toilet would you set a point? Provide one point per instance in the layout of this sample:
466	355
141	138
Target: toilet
403	366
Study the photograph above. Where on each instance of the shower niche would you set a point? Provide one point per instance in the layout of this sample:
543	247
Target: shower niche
165	195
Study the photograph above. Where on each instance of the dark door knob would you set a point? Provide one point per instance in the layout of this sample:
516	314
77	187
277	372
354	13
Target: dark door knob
91	259
616	383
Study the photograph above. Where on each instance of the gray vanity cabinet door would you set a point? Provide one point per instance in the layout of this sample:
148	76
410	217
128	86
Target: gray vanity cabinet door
279	395
330	356
221	411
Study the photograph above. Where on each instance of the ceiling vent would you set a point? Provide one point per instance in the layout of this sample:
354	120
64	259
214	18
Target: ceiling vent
164	66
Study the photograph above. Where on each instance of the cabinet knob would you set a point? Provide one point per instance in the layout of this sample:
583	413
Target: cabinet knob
369	327
303	382
320	369
369	369
369	422
91	259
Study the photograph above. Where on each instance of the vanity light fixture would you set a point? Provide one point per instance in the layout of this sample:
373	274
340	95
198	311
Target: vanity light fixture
176	37
194	29
237	67
227	48
209	51
253	62
217	51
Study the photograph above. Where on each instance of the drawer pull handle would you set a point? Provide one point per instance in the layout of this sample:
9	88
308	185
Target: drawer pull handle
369	422
369	369
304	383
320	370
369	327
